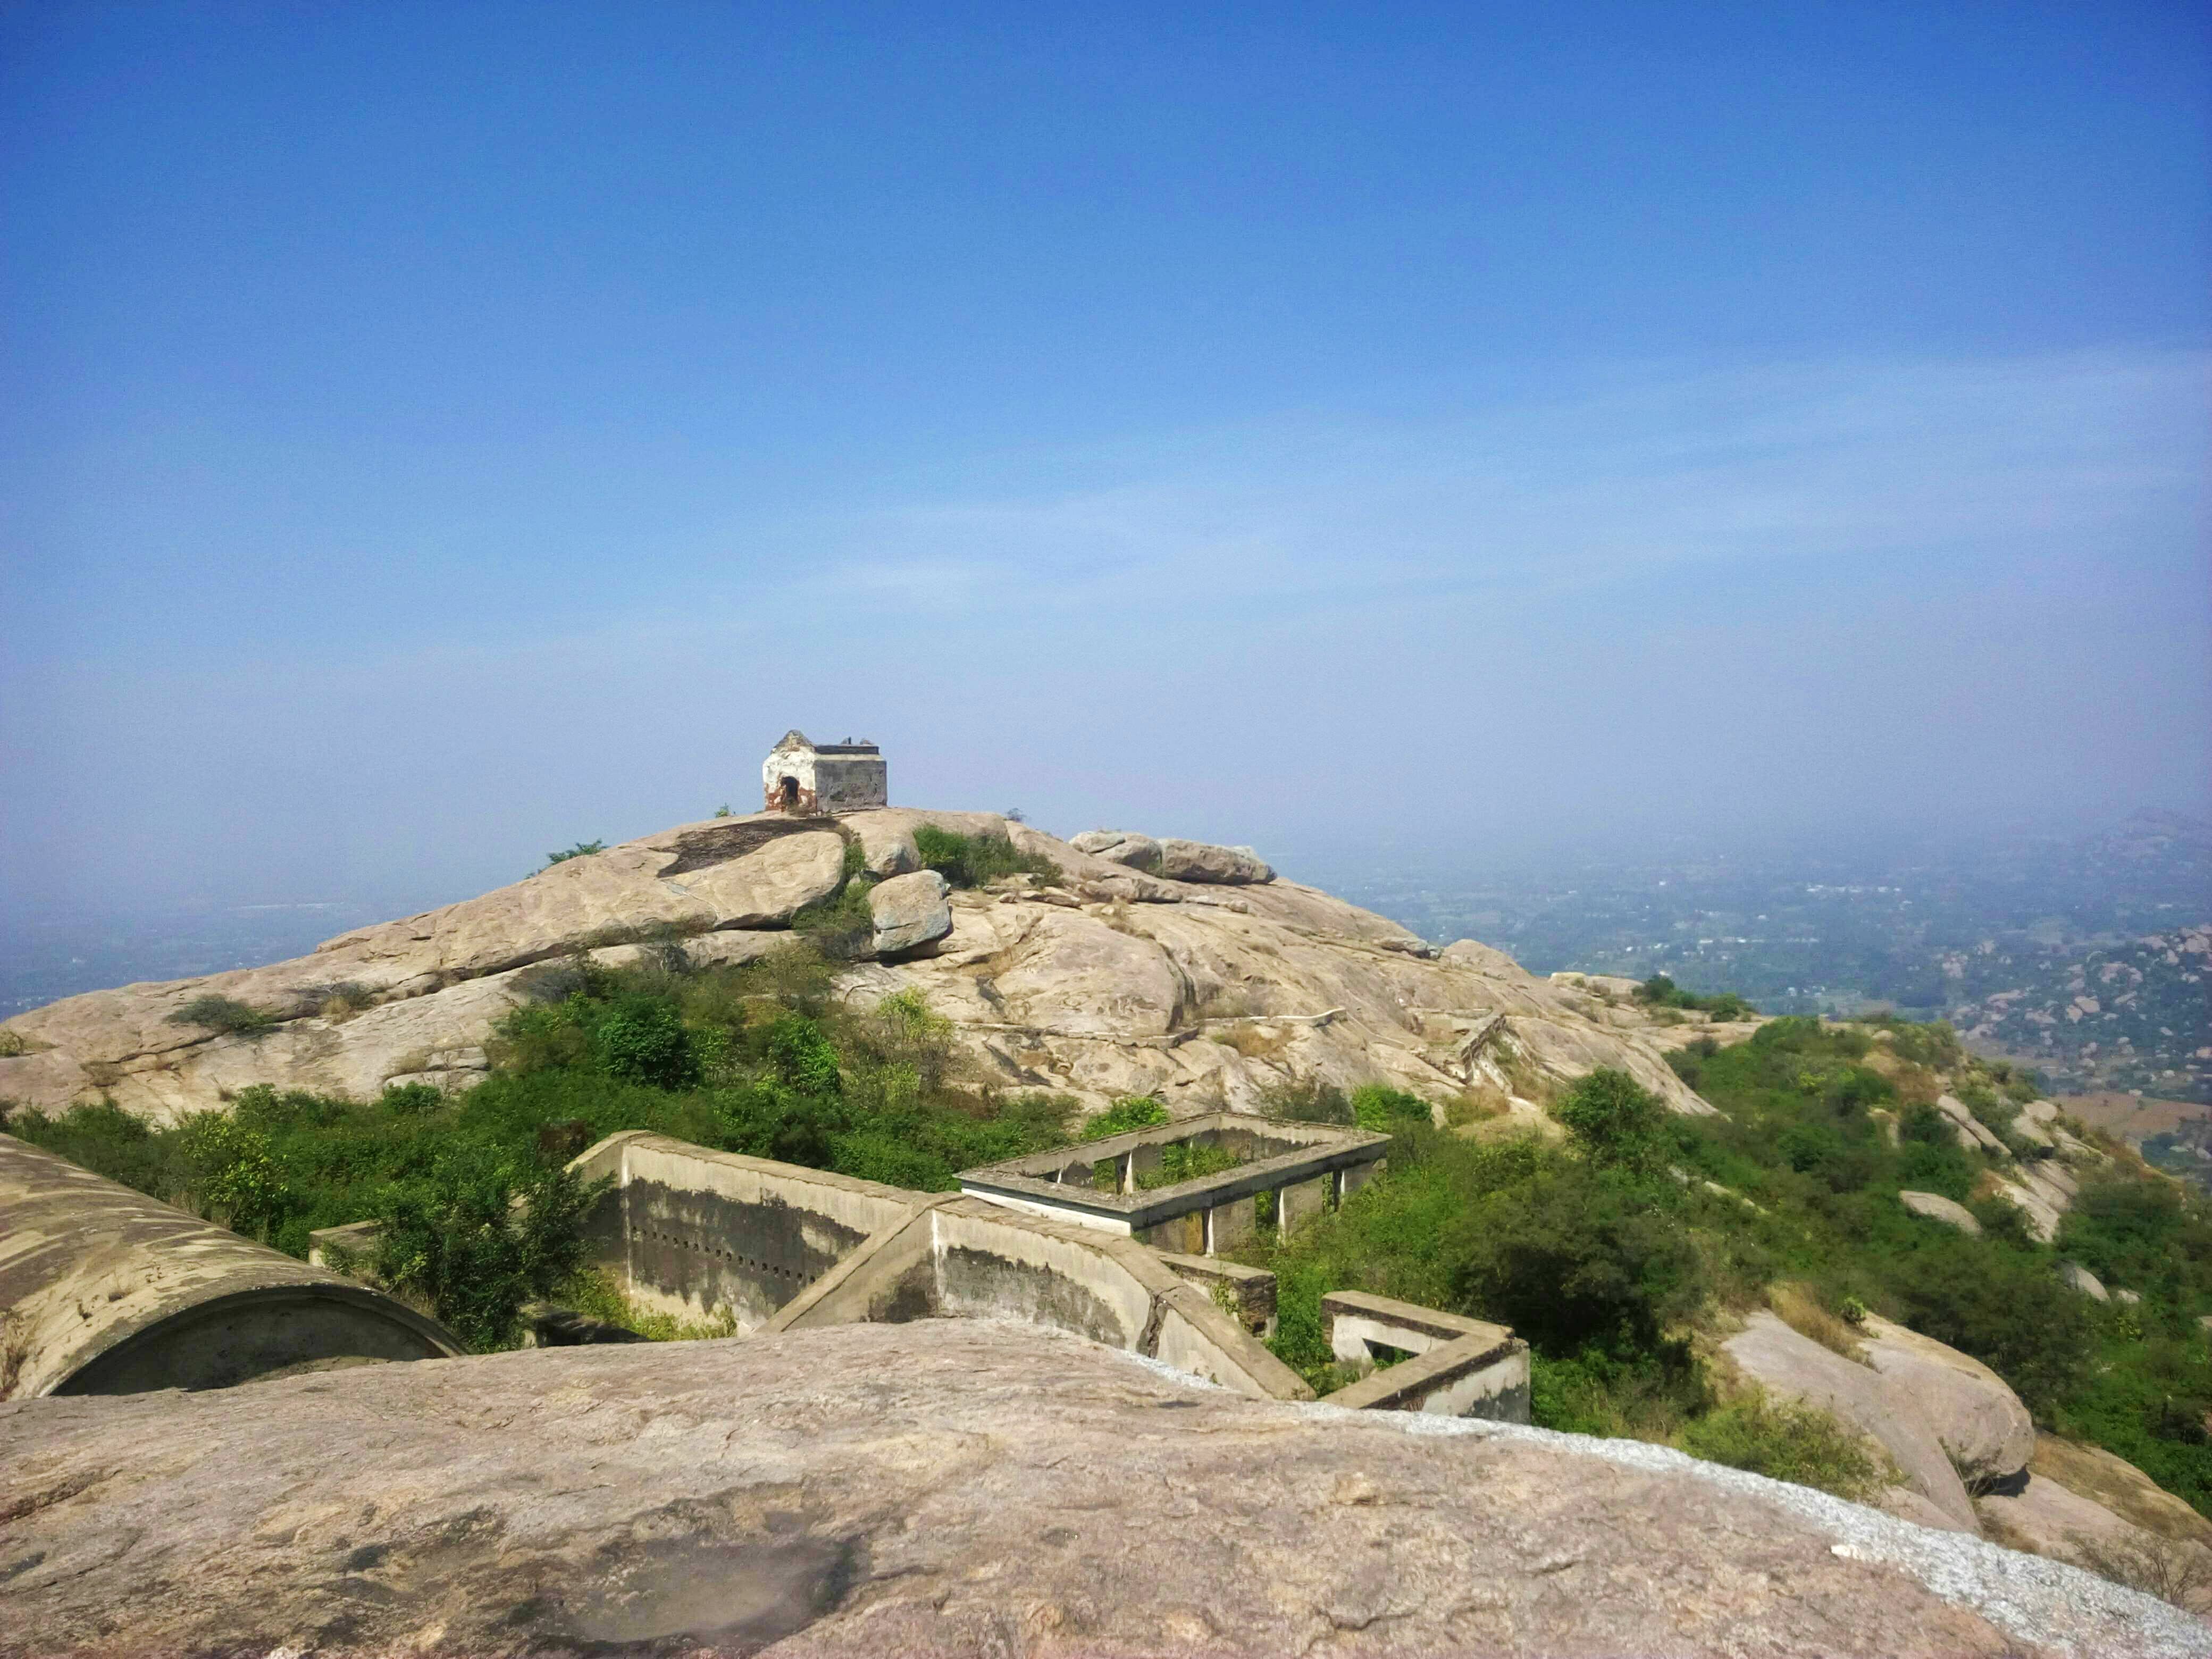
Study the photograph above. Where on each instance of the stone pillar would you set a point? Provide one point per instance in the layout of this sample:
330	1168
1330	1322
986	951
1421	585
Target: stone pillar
1299	1202
1350	1179
1228	1225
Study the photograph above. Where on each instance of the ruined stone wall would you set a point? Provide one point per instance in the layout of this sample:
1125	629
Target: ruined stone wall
690	1232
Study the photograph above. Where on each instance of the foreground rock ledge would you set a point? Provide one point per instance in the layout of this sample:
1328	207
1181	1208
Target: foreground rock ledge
945	1487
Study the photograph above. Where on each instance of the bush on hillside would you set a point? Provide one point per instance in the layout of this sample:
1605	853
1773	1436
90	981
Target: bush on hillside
1573	1258
1661	992
2006	1309
972	860
1615	1119
643	1040
582	849
1783	1442
1383	1110
1307	1100
478	1235
225	1016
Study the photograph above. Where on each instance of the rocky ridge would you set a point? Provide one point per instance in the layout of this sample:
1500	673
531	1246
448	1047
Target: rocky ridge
1206	987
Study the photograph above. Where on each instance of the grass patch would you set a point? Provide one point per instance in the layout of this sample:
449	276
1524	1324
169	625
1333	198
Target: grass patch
596	1296
1784	1442
1188	1160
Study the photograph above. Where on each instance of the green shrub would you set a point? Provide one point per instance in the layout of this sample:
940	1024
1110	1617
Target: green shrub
237	1182
1661	992
1130	1112
581	849
457	1237
803	1057
2005	1309
972	860
1574	1258
1307	1100
1643	1396
224	1015
1377	1107
643	1040
841	927
1614	1118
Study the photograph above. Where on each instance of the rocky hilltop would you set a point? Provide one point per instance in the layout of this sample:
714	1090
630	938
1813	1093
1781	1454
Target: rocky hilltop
947	1487
1146	966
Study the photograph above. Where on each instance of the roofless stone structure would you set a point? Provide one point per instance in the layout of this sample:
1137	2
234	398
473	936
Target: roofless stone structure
811	779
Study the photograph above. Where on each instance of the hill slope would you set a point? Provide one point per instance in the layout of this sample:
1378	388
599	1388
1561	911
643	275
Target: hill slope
1098	980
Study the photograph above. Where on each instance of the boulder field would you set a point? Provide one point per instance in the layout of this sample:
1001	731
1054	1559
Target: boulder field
945	1486
1207	984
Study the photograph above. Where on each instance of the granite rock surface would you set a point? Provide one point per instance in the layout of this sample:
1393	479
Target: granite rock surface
944	1487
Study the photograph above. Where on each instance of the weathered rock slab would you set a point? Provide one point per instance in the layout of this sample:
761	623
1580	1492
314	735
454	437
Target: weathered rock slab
944	1487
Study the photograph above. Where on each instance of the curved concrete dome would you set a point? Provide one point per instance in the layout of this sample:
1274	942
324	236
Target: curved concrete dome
106	1291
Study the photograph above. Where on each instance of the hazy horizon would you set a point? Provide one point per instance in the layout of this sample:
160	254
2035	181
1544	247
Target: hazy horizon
440	435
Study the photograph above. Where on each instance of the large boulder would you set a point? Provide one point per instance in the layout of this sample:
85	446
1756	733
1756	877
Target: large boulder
945	1487
1794	1367
1978	1420
2080	1503
910	912
1200	861
1937	1207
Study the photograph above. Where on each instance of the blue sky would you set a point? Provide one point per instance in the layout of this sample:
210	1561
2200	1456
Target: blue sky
437	434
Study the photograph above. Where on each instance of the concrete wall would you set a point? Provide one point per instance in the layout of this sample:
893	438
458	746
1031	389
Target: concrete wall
688	1231
1251	1290
106	1292
1458	1367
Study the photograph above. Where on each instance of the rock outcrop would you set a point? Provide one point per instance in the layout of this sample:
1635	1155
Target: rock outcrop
1120	846
1109	980
945	1487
